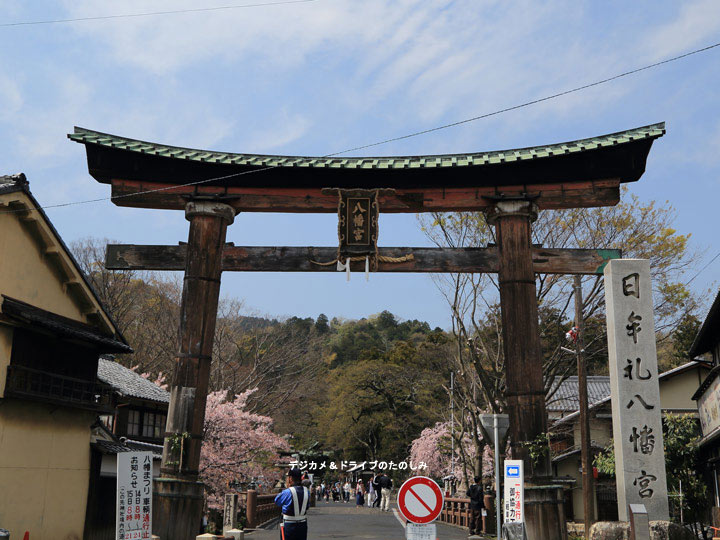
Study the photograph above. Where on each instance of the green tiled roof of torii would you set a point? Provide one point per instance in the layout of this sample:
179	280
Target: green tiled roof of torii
87	136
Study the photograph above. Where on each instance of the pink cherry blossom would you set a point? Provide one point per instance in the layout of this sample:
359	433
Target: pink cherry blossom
237	446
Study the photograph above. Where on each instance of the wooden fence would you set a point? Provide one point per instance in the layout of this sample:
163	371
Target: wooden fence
456	511
260	509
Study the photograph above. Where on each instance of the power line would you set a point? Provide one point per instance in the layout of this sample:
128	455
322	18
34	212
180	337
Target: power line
533	102
154	13
702	269
402	137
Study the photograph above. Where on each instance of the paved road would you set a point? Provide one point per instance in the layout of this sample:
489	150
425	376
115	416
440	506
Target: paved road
338	520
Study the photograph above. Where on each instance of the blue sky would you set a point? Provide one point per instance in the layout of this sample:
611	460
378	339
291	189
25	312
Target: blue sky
322	76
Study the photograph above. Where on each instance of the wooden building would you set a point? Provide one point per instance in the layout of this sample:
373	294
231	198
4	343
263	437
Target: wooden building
707	396
52	330
137	423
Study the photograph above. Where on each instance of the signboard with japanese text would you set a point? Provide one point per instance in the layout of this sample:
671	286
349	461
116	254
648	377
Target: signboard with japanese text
415	531
133	516
709	407
513	500
634	388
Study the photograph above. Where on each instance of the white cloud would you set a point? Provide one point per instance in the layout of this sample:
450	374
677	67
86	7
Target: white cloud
409	64
696	23
10	96
277	132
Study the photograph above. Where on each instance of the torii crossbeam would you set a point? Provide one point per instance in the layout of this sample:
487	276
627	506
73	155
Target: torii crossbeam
314	259
509	186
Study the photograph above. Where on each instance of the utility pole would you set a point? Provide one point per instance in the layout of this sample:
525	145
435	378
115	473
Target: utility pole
452	432
586	452
496	455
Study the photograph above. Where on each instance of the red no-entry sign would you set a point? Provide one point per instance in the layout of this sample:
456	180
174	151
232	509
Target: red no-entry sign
420	500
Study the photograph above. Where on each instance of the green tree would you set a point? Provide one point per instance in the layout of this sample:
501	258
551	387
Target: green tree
684	336
379	403
321	324
681	433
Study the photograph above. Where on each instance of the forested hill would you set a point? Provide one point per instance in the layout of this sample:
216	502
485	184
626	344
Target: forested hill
364	388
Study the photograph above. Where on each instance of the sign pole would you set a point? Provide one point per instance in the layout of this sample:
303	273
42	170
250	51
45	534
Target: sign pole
452	432
498	518
496	426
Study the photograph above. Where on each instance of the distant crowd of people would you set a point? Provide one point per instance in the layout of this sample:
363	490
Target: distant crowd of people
375	493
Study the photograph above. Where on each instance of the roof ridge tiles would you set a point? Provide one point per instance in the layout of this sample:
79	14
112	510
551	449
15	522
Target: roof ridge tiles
651	131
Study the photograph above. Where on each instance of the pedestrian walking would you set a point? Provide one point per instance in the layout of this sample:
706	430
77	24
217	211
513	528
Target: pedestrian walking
378	492
475	492
294	502
386	485
346	491
360	494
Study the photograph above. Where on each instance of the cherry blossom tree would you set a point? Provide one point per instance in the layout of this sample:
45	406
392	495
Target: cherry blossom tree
434	447
237	445
160	380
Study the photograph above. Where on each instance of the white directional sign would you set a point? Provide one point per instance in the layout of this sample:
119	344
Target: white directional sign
514	491
420	500
134	496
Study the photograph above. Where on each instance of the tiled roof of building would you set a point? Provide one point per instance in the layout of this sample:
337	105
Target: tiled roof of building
12	182
566	397
129	383
595	403
63	326
116	447
87	136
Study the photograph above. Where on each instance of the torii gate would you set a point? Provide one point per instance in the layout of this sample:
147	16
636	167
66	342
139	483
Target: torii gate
509	186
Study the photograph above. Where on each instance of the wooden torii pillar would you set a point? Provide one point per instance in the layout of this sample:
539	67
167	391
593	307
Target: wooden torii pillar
509	186
525	389
179	496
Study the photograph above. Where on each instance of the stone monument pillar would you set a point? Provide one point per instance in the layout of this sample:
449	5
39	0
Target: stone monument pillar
230	512
634	389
